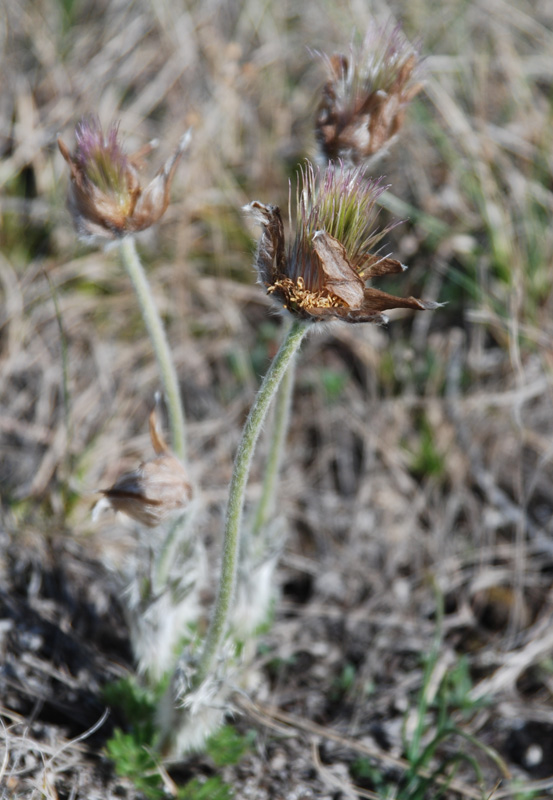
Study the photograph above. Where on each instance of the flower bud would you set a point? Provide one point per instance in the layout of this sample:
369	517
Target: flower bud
106	199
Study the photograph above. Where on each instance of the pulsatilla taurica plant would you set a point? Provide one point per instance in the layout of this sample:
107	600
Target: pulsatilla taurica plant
320	276
324	274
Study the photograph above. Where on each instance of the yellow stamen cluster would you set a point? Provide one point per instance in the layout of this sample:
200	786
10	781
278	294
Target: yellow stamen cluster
297	296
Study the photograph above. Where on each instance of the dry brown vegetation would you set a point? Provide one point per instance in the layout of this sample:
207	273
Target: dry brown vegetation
419	460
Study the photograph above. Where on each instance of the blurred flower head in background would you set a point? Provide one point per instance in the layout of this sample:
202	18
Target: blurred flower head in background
155	492
106	199
322	275
367	94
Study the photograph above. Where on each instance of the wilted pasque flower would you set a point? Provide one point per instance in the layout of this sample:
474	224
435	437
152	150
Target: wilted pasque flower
322	274
365	99
106	199
158	490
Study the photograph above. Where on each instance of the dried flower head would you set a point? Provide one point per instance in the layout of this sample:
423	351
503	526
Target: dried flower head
158	490
365	99
106	199
323	273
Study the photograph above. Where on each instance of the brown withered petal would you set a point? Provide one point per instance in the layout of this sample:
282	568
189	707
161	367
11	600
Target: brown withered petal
338	67
375	300
362	304
153	201
377	266
340	277
270	259
158	440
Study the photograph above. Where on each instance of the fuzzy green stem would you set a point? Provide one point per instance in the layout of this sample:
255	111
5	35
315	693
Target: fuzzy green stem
279	430
154	325
237	491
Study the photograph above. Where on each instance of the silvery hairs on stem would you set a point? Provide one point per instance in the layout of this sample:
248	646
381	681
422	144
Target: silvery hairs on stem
169	611
366	96
106	198
255	587
322	274
189	714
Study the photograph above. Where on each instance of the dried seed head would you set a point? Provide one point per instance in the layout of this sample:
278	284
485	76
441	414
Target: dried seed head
366	97
323	274
106	199
155	492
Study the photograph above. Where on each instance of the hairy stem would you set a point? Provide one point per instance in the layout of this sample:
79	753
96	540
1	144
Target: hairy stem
154	325
283	403
237	491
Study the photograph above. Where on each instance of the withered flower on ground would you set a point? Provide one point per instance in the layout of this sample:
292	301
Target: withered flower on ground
323	272
155	492
366	97
106	199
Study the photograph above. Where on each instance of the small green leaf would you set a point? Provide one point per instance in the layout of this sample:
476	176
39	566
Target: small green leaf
227	746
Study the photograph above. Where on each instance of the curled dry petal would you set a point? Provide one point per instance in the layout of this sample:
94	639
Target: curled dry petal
339	276
106	198
270	256
154	492
376	267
